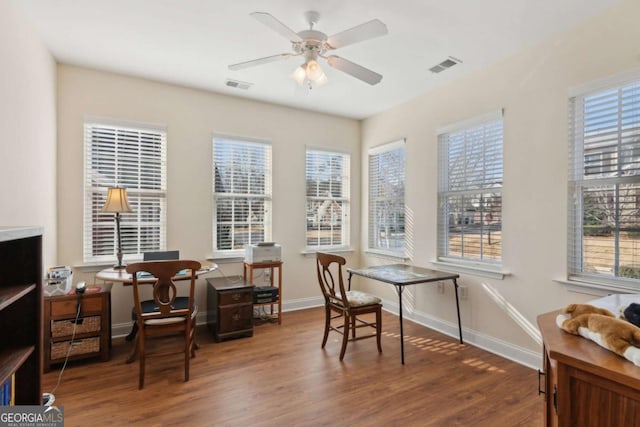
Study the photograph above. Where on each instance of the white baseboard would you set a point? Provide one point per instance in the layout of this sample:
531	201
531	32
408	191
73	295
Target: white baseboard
491	344
502	348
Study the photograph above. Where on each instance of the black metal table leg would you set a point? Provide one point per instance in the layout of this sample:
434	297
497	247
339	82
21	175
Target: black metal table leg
455	284
399	289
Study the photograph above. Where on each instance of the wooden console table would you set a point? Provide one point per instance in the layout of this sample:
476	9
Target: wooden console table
585	384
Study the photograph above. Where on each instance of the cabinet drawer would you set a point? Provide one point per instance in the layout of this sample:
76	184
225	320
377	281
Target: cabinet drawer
68	307
235	297
59	350
61	328
235	318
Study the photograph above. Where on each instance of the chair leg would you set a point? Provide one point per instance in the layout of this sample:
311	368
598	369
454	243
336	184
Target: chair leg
327	322
345	335
379	328
133	332
141	355
353	326
188	350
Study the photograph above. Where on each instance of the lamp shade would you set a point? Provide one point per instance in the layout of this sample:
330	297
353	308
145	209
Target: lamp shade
314	71
116	201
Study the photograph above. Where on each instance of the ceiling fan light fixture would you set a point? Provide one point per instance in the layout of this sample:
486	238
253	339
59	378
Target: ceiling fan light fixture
314	70
320	81
299	74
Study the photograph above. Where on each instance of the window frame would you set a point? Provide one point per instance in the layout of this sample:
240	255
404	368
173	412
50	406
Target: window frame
376	154
265	197
579	182
344	200
150	198
478	265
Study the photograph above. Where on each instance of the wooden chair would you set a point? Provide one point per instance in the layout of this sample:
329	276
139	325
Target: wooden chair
347	304
169	318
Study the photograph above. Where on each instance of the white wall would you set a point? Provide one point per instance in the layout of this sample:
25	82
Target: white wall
27	129
532	87
191	117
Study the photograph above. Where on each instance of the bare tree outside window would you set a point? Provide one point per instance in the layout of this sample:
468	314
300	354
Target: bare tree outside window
470	195
604	183
242	193
386	198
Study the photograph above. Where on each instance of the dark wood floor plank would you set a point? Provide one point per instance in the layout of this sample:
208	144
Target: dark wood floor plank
281	376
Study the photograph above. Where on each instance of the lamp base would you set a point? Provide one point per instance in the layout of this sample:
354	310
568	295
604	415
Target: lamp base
119	267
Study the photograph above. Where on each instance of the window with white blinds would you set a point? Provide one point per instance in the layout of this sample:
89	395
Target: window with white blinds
241	193
386	199
327	208
604	185
133	157
470	193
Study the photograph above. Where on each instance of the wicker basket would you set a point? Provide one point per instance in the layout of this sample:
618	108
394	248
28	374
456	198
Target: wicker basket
85	346
63	328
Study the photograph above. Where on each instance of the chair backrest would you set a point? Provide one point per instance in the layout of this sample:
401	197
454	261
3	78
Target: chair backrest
164	286
329	268
160	255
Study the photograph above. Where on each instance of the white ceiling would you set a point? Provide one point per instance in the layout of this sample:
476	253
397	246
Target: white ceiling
191	42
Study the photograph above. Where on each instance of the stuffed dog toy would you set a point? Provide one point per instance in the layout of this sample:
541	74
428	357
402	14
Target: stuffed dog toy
602	327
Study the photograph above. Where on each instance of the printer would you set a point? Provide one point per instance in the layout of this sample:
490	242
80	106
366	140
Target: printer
263	252
58	281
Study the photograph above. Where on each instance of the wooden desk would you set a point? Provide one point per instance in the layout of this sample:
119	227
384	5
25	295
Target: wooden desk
401	275
121	275
585	384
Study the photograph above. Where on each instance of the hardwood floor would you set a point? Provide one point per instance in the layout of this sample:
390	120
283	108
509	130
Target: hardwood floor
281	376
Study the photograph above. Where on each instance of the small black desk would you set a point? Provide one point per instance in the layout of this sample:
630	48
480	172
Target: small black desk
401	275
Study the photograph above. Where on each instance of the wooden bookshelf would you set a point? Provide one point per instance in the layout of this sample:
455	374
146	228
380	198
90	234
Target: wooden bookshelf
21	312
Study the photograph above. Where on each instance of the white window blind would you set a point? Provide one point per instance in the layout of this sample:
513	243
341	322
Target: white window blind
242	193
327	208
386	199
604	184
470	193
133	157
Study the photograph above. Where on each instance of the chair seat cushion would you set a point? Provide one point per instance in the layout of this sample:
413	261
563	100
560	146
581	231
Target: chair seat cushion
164	321
359	298
149	306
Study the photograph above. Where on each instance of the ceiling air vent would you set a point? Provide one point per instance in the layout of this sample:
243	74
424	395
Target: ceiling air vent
238	84
447	63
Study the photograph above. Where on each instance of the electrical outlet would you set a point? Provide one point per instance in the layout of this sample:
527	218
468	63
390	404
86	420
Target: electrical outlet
464	292
267	276
440	288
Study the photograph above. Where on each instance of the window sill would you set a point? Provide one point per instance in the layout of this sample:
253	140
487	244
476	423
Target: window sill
335	250
482	270
220	258
581	285
387	255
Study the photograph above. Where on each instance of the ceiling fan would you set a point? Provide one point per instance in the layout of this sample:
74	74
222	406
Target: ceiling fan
312	44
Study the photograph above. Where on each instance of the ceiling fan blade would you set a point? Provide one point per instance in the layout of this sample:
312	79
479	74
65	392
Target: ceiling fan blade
259	61
368	30
355	70
277	26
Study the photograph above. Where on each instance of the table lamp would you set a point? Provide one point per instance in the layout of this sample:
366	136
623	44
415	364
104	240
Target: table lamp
117	203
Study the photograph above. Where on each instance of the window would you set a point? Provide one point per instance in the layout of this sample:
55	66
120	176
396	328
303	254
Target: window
327	199
133	157
241	193
470	191
604	184
386	199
